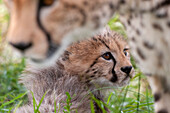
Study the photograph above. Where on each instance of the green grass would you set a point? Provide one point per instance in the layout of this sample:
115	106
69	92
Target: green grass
11	92
134	98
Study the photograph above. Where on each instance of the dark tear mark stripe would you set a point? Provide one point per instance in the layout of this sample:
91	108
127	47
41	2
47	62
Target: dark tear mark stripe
51	46
114	61
114	77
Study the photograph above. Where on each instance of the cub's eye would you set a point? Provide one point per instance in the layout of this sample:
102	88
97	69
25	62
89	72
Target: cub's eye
107	56
48	2
125	51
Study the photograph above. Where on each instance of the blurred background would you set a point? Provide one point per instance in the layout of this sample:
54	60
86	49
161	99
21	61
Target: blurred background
136	97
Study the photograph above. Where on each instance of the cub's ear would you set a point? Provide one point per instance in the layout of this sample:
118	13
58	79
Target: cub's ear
8	3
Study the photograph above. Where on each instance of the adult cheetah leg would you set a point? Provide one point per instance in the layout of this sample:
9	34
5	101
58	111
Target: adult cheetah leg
161	93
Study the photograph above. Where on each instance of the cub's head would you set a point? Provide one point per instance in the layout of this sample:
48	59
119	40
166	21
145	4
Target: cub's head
40	28
100	59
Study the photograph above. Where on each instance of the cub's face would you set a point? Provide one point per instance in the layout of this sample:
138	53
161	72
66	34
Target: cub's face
100	59
41	28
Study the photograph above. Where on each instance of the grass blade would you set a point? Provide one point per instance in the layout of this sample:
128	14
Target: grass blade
92	106
41	101
138	98
13	100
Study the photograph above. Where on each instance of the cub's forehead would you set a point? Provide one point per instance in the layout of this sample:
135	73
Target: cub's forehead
108	41
112	38
113	41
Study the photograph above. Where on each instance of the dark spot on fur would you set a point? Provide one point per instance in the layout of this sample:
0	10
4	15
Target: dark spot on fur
87	71
168	23
148	45
163	111
137	31
157	97
140	53
96	21
128	21
130	17
160	59
95	72
133	39
141	23
164	83
161	4
111	6
108	34
84	16
143	11
100	73
66	55
94	39
87	81
163	15
85	3
131	9
92	76
73	6
93	69
122	1
158	27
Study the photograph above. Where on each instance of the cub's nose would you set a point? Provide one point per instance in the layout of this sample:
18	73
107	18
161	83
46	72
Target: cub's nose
21	46
126	69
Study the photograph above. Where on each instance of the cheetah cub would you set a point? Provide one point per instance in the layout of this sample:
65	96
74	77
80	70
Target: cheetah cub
85	66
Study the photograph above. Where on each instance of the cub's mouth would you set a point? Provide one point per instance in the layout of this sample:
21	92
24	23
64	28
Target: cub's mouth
127	78
123	78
